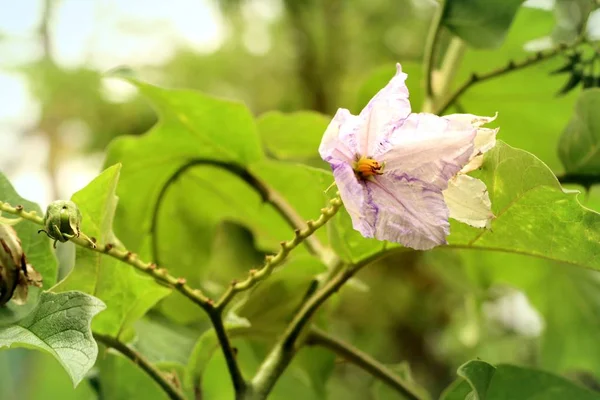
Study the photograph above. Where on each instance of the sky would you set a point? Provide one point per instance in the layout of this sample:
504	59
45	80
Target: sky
102	34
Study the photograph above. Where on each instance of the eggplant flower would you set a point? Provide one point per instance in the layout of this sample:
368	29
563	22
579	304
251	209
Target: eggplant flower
401	175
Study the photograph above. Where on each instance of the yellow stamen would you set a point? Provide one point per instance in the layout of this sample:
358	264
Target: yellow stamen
367	167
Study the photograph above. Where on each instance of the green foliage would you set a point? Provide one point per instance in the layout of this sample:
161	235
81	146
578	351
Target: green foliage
578	146
36	248
59	325
516	383
481	23
127	294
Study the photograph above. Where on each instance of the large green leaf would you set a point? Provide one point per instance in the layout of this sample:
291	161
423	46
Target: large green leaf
59	325
191	126
37	250
127	294
295	136
480	23
579	144
516	383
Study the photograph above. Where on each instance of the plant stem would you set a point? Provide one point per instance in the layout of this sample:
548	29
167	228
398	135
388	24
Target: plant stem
239	384
511	66
273	261
317	337
159	274
282	354
268	195
143	363
585	180
430	46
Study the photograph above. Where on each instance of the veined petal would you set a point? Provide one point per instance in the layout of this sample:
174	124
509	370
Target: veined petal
430	148
386	110
468	200
356	199
409	211
336	144
484	140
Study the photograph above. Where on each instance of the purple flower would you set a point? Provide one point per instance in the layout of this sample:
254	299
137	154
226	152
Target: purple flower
393	168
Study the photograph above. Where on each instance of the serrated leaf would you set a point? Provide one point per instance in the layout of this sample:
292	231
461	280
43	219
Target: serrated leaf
579	146
59	325
37	249
127	294
480	23
511	382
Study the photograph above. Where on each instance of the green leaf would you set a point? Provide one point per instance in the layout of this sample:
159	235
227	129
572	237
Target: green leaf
480	23
127	294
59	325
295	136
191	126
516	383
37	249
579	144
534	216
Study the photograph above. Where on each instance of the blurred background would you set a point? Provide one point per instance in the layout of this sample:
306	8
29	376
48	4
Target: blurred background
58	113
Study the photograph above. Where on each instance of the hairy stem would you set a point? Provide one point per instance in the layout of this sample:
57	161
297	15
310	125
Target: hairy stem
317	337
143	363
511	66
273	261
268	195
159	274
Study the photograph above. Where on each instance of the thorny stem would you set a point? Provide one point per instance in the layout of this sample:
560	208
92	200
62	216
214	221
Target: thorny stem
511	66
273	261
138	359
267	194
282	354
317	337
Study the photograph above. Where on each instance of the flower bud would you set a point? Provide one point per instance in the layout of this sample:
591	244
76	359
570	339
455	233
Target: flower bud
62	221
15	273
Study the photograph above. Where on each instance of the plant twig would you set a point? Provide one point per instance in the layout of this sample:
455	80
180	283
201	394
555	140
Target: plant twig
511	66
159	274
267	194
430	46
317	337
138	359
281	355
273	261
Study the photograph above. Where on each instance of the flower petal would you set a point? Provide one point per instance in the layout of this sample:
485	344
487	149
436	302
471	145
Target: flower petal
430	148
484	141
469	201
409	211
339	140
386	110
356	199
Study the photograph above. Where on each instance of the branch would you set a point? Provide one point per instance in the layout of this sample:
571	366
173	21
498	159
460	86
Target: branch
286	247
510	67
429	56
584	180
159	274
143	363
279	358
268	195
316	337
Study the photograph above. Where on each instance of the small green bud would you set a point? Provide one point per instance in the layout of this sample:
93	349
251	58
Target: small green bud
62	221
